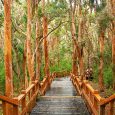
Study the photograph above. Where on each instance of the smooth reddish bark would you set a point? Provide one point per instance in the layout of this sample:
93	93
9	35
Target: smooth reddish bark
38	56
8	54
45	32
78	50
113	41
30	62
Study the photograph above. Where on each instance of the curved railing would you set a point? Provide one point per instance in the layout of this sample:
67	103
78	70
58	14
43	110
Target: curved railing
96	104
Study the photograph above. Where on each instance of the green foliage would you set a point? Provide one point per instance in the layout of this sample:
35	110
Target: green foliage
101	6
2	74
107	72
103	20
108	76
56	8
1	18
65	65
40	14
95	72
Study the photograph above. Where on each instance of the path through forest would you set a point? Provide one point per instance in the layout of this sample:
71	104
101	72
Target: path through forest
61	99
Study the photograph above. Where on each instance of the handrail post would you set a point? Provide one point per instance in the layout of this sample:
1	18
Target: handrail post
111	107
4	107
102	110
23	102
15	110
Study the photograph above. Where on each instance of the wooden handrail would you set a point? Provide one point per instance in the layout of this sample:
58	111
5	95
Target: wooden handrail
107	100
96	103
8	100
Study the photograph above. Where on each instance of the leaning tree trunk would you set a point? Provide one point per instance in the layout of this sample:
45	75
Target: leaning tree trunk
101	80
8	55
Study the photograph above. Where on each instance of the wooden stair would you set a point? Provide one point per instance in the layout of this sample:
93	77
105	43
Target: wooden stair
61	99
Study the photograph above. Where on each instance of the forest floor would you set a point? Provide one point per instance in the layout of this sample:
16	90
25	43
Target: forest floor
107	92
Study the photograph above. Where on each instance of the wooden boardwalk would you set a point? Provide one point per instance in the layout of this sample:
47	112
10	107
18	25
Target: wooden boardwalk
60	99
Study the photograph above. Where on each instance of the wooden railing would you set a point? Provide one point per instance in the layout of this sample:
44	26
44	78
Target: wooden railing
24	103
62	73
45	84
96	104
107	106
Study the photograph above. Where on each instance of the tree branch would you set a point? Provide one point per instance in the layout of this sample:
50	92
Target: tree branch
46	36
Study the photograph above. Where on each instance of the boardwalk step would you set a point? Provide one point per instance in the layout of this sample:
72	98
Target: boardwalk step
60	105
61	99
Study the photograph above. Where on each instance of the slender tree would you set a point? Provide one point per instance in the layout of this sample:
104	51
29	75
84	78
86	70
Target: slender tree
8	54
38	56
112	2
45	32
73	32
77	50
30	60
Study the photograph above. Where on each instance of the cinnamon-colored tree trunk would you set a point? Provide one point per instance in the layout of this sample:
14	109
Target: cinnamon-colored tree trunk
8	54
45	47
113	60
101	80
45	31
80	37
38	56
25	80
74	61
29	53
75	41
113	40
75	49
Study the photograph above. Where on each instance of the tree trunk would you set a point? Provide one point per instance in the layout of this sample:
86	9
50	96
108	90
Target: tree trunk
113	41
38	56
25	80
45	46
80	37
113	58
8	54
101	80
75	50
29	54
74	61
75	41
45	31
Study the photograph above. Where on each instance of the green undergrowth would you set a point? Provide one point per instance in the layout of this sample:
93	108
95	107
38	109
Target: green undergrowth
107	75
64	65
2	74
